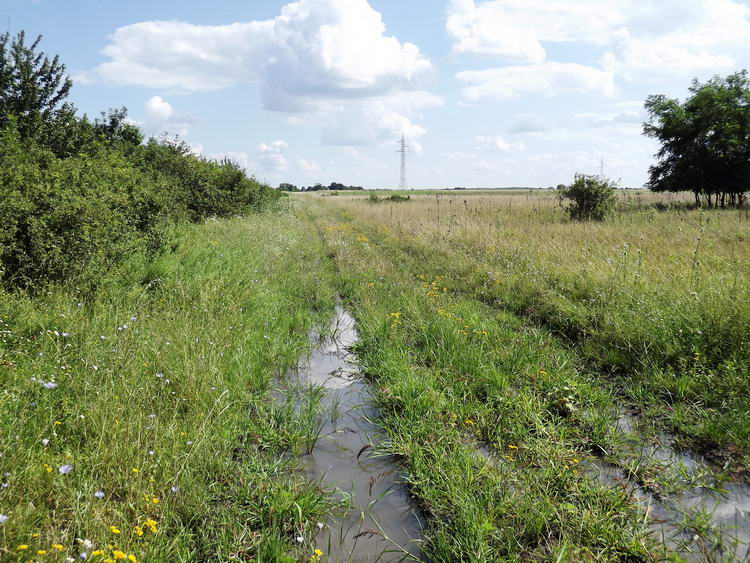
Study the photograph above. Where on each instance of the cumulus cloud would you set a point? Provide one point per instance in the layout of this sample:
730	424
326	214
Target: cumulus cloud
496	143
549	79
309	166
329	60
161	118
271	156
636	39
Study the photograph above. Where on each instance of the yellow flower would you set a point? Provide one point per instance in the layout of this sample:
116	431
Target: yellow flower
469	421
155	500
57	423
135	470
48	468
114	529
151	525
35	535
318	552
512	447
41	552
138	531
58	547
132	558
117	554
22	547
97	552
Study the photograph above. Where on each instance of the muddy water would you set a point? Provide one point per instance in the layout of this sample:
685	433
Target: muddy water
723	508
380	523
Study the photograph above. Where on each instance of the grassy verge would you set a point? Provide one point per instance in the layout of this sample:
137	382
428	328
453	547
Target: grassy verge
138	422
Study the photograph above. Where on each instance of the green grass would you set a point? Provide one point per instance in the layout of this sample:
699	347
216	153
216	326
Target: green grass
162	404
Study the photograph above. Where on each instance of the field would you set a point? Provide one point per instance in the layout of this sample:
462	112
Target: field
540	389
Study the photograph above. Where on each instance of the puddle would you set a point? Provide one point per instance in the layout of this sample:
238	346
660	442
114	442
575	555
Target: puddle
708	522
381	523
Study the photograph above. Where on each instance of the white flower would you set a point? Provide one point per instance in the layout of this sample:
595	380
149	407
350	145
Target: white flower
45	441
151	452
65	469
174	489
99	495
320	525
300	539
3	518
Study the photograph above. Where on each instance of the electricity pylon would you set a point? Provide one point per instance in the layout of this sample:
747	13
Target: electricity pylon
402	185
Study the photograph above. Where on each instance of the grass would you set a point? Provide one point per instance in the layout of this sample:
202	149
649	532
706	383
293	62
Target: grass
659	301
158	437
497	376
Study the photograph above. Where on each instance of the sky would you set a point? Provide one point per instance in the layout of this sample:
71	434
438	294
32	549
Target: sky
489	93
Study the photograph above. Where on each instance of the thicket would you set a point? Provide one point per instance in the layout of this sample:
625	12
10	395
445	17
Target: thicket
79	196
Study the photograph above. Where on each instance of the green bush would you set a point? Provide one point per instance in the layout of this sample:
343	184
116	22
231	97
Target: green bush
591	197
61	217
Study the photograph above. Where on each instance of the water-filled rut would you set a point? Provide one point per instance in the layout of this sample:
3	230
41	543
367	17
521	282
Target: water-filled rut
380	523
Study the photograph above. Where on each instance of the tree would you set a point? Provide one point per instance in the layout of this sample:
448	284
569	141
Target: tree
705	141
32	87
592	197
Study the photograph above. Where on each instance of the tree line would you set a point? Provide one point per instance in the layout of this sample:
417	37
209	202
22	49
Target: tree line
333	186
79	196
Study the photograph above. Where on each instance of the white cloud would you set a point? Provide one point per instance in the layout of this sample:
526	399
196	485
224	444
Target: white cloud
314	49
549	79
308	166
527	123
241	158
496	143
613	118
324	60
274	147
637	39
516	29
160	118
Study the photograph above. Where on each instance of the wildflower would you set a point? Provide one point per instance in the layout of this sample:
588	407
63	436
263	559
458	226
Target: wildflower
189	442
35	535
132	558
318	552
512	447
117	554
3	518
87	544
114	529
45	441
50	385
174	489
135	470
97	552
300	539
65	469
151	452
58	547
41	552
469	421
320	525
82	555
47	467
151	525
99	494
138	531
57	423
22	547
154	500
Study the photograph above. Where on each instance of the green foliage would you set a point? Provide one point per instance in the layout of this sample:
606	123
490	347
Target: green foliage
81	196
705	141
592	197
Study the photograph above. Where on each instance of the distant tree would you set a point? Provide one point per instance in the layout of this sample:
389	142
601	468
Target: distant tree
32	87
705	141
591	197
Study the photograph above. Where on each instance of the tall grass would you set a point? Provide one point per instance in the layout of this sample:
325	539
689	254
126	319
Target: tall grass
138	421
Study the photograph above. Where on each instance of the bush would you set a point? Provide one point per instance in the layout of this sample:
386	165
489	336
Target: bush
60	217
592	197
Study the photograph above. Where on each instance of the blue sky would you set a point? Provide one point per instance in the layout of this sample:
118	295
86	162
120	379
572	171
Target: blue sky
489	92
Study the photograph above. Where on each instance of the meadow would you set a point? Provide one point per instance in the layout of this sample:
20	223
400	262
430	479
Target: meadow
516	361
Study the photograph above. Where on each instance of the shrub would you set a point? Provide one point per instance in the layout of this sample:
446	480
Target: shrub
592	197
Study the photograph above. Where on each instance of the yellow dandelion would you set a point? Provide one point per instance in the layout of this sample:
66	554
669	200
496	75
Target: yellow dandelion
48	467
117	554
97	553
58	546
35	535
135	470
41	552
132	558
138	531
154	500
318	552
114	529
22	547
